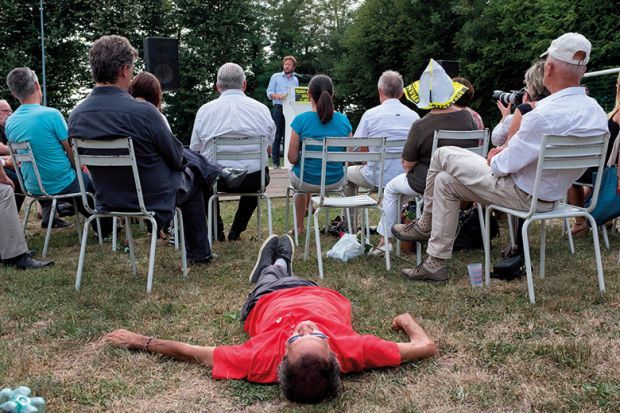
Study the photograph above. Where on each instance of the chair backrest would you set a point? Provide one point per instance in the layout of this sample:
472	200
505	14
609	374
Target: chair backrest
479	140
113	153
376	153
394	147
21	153
227	149
571	152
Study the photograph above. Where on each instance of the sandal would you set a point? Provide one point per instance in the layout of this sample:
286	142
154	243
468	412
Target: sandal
580	229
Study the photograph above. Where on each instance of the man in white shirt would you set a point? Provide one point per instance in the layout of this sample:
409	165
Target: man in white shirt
508	180
391	119
234	114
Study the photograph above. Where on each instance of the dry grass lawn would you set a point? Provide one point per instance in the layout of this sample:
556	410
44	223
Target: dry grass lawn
497	352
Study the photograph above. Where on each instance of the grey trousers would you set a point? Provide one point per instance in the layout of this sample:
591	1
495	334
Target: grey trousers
12	241
457	174
271	279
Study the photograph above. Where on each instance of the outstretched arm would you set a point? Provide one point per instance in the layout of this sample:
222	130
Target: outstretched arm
419	346
175	349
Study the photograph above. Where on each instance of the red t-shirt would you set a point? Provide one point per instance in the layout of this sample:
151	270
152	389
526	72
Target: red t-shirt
272	321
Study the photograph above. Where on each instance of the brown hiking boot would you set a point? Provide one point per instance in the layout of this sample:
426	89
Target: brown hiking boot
410	232
422	273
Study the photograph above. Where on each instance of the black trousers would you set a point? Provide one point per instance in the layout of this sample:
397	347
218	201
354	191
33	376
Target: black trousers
247	204
272	278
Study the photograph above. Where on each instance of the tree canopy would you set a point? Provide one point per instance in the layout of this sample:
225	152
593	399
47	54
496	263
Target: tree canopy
354	42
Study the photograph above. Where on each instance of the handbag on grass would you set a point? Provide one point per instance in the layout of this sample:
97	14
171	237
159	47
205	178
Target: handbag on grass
608	203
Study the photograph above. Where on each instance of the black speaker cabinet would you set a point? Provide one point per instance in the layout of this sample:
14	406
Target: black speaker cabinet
161	57
450	66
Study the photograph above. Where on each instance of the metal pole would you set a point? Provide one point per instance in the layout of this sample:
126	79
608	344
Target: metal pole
43	55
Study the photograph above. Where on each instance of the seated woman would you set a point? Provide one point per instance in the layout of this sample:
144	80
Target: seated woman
464	101
577	193
320	122
146	87
416	155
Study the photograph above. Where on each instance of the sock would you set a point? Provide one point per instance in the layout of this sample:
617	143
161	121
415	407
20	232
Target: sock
425	222
433	263
280	262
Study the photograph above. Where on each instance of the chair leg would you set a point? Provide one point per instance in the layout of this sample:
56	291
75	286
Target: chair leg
308	229
287	209
386	245
269	217
179	230
176	228
211	220
258	227
77	221
114	231
99	234
486	236
569	235
326	220
50	223
317	241
511	231
418	245
80	269
149	277
295	232
132	255
528	263
605	237
367	225
349	223
400	221
597	255
543	240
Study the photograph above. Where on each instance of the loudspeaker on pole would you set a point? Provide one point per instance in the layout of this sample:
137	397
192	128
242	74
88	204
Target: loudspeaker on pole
161	57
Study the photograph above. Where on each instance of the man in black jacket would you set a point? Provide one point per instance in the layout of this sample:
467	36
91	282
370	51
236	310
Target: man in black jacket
109	111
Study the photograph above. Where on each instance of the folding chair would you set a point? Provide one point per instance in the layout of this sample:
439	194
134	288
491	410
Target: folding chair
376	153
119	153
307	152
226	149
21	154
558	153
479	144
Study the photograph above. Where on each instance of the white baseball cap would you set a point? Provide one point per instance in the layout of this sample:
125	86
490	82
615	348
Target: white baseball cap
566	47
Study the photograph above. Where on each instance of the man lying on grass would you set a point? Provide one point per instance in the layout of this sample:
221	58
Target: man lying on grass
301	335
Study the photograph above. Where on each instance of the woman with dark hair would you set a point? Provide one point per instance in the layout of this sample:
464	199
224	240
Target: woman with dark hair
464	101
320	122
146	87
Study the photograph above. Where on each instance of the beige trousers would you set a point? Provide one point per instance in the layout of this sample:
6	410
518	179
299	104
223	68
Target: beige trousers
12	241
457	174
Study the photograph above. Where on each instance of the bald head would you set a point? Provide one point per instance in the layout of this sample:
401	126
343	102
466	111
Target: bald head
5	111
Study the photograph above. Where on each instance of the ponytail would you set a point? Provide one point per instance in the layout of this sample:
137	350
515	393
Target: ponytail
321	89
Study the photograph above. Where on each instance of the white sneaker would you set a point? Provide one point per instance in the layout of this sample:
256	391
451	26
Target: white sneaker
379	251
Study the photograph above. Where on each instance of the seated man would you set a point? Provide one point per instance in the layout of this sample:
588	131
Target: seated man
13	248
109	111
234	114
456	174
301	335
437	92
391	119
46	131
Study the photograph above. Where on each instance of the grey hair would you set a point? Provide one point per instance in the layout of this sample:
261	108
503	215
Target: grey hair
21	82
391	82
230	76
533	80
575	72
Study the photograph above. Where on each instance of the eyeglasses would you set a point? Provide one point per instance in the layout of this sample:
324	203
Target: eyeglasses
296	337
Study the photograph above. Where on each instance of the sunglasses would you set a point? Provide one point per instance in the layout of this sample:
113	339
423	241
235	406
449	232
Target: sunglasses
314	333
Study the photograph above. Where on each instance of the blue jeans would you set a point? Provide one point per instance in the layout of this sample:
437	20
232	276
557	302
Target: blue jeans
278	119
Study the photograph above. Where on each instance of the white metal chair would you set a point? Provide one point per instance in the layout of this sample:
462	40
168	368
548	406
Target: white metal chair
376	153
119	153
557	153
21	154
308	151
226	149
479	144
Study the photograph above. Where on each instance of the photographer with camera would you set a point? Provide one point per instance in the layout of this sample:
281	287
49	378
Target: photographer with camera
525	99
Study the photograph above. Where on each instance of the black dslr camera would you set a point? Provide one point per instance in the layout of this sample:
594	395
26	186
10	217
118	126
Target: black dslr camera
514	96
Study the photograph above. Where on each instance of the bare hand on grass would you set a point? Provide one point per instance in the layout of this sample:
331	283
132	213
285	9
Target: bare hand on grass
401	321
126	339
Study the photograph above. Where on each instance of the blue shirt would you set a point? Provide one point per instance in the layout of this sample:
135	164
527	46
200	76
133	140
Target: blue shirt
308	125
280	83
44	128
